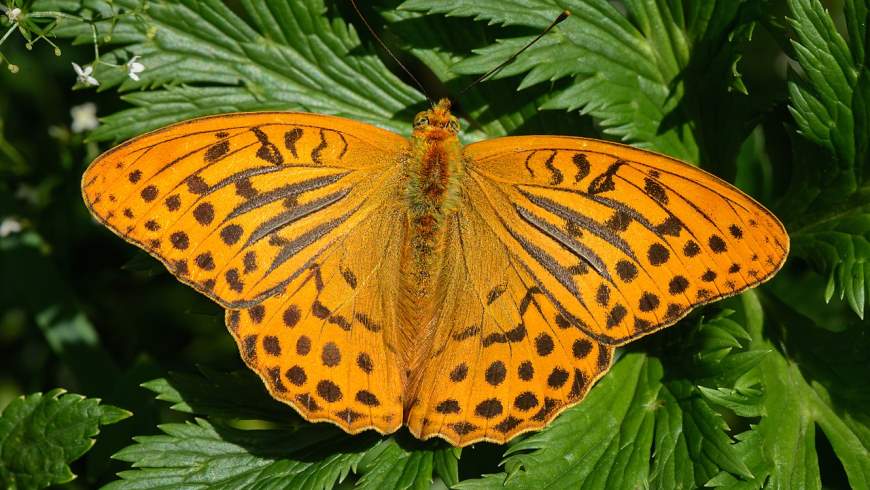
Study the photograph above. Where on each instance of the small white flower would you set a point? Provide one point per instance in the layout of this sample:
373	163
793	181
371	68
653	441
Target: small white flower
28	194
13	14
134	68
84	75
84	117
9	226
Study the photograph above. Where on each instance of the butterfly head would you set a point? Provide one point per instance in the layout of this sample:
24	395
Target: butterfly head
437	122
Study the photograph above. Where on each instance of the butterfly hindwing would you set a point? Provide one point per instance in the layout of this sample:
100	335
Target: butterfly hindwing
651	237
326	344
504	360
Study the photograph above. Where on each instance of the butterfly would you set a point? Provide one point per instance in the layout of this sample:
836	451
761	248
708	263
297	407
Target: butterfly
467	292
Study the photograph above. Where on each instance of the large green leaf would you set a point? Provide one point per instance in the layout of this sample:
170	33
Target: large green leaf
639	428
41	434
203	58
829	202
489	111
273	447
825	386
642	76
202	453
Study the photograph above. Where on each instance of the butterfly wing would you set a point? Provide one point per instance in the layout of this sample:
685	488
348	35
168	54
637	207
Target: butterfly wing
655	235
327	344
289	221
562	249
227	202
504	360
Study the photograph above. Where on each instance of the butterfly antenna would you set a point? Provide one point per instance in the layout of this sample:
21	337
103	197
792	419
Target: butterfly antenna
389	52
564	15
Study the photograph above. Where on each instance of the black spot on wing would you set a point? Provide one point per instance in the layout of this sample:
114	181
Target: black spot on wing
654	190
217	151
582	164
267	150
316	152
290	139
604	181
556	176
495	292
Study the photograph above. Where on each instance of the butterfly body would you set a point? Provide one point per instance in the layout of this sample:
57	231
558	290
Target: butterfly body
433	174
470	293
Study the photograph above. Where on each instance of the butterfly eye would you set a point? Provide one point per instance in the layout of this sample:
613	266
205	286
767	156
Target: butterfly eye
453	125
421	121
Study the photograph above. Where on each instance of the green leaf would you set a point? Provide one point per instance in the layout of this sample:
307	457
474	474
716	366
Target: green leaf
491	110
607	441
744	402
202	453
236	395
822	100
250	440
824	386
41	434
402	465
839	245
829	201
642	76
292	57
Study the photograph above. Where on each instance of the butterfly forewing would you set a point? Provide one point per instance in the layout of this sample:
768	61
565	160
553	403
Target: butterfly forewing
650	236
326	343
237	205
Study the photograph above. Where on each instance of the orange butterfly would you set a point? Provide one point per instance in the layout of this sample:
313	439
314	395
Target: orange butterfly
470	293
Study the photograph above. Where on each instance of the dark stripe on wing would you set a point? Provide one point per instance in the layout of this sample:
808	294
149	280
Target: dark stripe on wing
581	251
583	221
292	247
286	218
282	192
547	262
244	174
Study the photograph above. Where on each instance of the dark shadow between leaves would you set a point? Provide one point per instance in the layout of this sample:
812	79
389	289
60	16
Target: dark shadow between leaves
719	116
224	399
309	443
832	473
460	36
227	398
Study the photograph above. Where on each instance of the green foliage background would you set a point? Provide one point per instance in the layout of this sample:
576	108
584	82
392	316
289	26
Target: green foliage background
769	389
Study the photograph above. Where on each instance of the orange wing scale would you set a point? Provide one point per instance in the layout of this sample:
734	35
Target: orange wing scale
505	361
212	198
